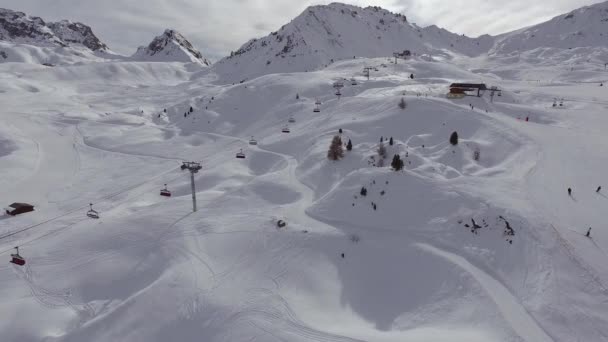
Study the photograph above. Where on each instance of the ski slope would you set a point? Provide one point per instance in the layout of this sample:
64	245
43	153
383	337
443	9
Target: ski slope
152	270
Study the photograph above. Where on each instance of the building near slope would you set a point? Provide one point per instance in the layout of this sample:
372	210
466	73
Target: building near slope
459	90
19	208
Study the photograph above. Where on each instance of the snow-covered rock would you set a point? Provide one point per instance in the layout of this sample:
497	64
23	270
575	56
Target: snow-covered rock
17	27
171	46
327	33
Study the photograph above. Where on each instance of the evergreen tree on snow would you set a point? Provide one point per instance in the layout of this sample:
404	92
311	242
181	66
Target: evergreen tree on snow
402	104
390	142
335	151
397	163
454	139
191	109
297	96
363	192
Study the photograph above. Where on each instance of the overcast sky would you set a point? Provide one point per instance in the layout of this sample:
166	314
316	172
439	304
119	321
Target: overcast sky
218	26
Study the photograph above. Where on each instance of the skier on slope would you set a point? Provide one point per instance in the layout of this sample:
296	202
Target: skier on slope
569	191
588	233
599	188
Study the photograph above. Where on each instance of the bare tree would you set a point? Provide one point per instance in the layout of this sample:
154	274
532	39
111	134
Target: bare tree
335	152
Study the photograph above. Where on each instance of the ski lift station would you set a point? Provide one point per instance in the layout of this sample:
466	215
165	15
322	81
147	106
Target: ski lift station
460	90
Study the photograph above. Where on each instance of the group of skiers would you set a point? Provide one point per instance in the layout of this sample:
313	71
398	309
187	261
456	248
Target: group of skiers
598	190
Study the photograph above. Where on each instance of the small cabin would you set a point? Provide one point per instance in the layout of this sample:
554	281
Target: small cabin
468	89
19	208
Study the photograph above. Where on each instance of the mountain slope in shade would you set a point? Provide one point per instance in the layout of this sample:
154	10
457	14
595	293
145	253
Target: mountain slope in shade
322	34
171	46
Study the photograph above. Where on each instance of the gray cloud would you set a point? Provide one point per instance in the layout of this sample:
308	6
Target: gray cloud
218	26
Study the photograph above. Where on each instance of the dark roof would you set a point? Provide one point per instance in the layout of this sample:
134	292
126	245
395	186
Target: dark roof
21	205
481	86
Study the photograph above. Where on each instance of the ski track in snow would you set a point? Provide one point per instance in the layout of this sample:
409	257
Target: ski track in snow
510	307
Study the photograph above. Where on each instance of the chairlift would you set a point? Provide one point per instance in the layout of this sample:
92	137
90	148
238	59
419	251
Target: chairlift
500	93
252	141
292	120
338	93
165	192
286	129
240	155
317	109
92	213
353	81
561	103
16	258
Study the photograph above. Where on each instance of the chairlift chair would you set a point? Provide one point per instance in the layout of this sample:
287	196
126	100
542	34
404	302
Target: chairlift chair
292	120
240	155
165	192
92	213
286	129
338	93
252	141
317	109
500	93
353	81
16	258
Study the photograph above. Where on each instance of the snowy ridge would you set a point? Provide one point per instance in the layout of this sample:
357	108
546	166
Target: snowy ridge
171	46
322	34
17	27
584	27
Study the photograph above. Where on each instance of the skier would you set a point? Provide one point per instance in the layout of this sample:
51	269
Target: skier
588	233
527	119
599	188
342	255
569	192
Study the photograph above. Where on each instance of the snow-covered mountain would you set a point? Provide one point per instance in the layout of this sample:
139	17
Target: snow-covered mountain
171	46
327	33
584	27
17	27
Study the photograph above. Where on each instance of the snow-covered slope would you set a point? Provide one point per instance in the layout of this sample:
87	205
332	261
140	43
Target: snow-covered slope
473	242
171	46
322	34
452	249
584	27
28	39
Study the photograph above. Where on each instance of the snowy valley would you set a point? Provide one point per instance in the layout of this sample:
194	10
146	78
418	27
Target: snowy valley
474	240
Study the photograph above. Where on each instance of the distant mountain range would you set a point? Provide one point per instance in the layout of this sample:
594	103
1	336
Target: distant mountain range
319	36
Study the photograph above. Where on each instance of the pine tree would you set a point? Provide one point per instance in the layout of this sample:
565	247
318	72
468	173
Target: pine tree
191	109
402	104
454	139
335	151
297	96
390	142
397	163
363	191
340	131
349	146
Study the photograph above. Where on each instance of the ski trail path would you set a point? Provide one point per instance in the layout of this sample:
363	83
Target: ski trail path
508	305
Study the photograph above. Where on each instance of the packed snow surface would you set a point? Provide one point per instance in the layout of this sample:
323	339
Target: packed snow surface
474	242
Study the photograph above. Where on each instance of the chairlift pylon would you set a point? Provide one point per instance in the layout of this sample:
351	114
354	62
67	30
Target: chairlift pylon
16	258
92	213
165	192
